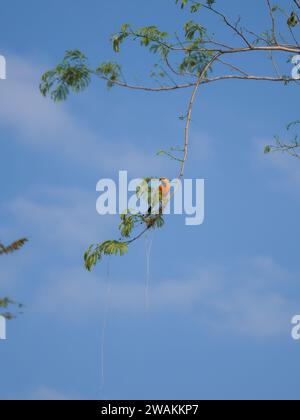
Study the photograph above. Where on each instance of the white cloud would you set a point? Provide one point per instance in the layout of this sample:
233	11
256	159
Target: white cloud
69	289
245	297
253	314
246	301
62	218
48	127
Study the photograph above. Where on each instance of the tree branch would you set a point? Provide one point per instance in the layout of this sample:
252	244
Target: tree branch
15	246
297	3
190	110
197	52
229	24
273	21
148	89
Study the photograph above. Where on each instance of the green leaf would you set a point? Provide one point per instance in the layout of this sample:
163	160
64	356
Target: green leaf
293	20
110	71
72	74
191	29
183	3
268	149
95	253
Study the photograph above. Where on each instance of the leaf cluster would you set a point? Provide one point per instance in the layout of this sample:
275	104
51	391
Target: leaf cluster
15	246
72	74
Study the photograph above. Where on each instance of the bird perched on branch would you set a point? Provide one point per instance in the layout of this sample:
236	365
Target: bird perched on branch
161	196
164	188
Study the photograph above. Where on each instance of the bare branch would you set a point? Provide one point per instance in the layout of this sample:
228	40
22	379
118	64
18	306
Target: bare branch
257	36
290	149
229	24
274	36
149	89
277	47
15	246
297	3
256	78
190	111
233	67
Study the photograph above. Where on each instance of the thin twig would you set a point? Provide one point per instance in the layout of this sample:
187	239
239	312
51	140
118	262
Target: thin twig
230	25
273	21
148	89
190	110
233	67
283	79
297	3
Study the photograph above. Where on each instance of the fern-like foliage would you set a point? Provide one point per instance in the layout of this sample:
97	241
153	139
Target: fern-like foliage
15	246
189	54
110	71
291	147
132	226
129	223
95	253
6	302
71	74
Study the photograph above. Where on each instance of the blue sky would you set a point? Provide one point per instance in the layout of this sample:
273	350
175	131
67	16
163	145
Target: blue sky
222	295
